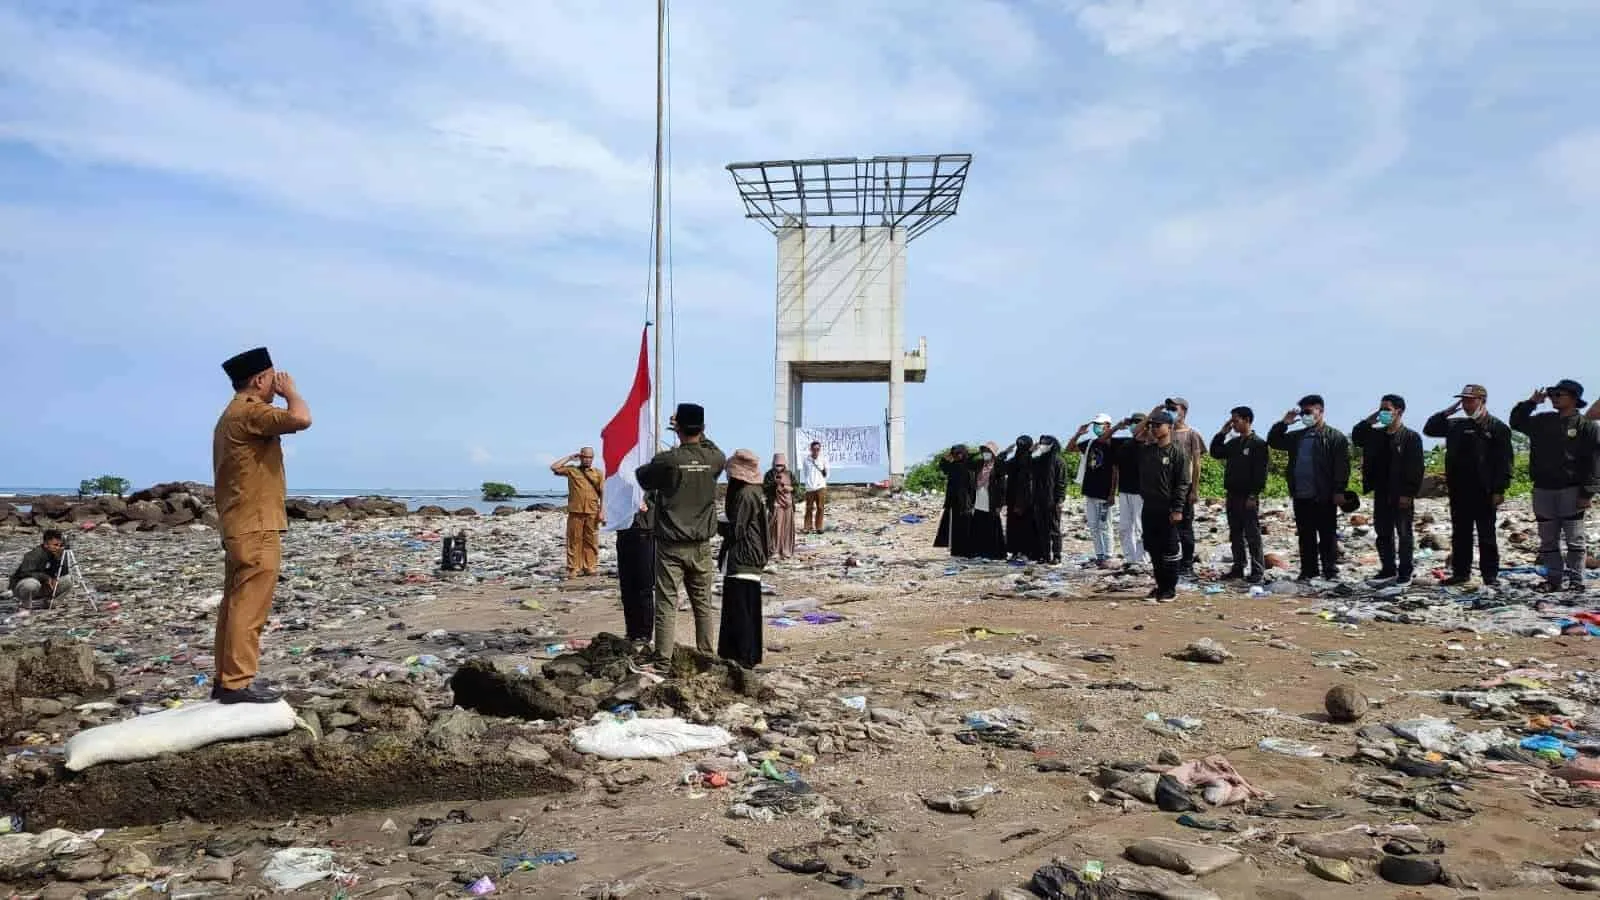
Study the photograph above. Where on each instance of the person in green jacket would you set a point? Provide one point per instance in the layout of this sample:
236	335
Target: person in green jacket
684	482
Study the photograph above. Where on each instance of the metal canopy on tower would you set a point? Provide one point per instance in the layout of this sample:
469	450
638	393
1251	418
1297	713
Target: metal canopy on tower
842	226
910	192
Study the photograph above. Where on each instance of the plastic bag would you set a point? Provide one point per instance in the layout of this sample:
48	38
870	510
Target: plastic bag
176	730
611	738
296	867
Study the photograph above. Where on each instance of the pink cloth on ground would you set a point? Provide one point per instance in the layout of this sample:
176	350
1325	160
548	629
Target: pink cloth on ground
1216	770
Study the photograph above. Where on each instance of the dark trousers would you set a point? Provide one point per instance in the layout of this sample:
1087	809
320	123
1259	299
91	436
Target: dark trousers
636	573
1317	523
739	639
1244	533
1161	540
1469	513
1394	525
1186	538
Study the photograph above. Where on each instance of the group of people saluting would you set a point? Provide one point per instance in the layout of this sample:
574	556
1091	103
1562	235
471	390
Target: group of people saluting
1008	503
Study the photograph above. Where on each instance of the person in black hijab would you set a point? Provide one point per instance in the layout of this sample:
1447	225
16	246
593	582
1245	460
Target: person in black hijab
1049	492
960	486
1022	532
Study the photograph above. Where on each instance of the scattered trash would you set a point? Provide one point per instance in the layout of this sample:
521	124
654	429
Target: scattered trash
296	867
1204	650
1289	747
967	801
481	887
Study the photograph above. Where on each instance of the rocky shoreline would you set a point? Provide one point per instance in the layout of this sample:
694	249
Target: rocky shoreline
180	504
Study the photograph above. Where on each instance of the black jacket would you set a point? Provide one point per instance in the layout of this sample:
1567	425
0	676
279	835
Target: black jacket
960	482
1563	453
1391	464
1049	480
1335	475
1477	454
1164	476
39	565
747	529
1246	458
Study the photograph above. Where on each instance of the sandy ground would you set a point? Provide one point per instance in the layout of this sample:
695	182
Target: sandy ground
931	643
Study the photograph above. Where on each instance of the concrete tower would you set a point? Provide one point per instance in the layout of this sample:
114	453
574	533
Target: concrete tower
842	227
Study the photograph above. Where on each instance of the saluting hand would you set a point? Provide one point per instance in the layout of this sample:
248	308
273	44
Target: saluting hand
282	384
1454	408
1538	396
1290	416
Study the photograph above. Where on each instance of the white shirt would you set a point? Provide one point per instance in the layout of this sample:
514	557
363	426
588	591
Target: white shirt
815	473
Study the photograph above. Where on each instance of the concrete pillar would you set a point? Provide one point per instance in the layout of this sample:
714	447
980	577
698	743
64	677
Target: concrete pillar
783	409
797	412
897	419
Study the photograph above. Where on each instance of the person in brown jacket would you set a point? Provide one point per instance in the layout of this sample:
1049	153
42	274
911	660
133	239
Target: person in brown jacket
247	463
586	489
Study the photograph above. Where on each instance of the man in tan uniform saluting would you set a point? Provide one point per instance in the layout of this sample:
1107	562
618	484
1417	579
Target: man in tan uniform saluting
247	459
585	511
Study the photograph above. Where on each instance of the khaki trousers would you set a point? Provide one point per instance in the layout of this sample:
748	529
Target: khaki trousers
583	544
816	501
249	577
690	565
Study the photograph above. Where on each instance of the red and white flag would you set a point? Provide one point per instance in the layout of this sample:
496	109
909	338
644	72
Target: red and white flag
627	442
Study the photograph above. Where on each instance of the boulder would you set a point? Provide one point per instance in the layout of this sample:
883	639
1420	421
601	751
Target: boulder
504	510
1181	856
145	511
182	516
1345	704
432	511
1433	487
337	512
465	512
51	506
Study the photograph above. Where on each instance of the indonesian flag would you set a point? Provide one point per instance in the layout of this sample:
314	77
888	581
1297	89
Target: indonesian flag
627	442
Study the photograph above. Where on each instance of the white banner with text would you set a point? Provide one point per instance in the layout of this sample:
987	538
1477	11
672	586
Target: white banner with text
850	447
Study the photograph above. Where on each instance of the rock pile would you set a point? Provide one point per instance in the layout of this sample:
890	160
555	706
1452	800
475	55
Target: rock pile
175	505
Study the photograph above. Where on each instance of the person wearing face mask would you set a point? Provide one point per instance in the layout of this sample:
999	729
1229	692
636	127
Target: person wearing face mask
586	489
1049	493
1164	471
1391	470
1564	462
960	470
1319	479
1022	533
1245	477
1478	459
1097	480
988	496
1130	505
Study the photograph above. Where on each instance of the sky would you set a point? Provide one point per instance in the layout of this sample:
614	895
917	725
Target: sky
436	213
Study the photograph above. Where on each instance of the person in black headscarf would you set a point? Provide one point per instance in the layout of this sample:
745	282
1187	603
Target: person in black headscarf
988	502
1049	492
960	483
1022	532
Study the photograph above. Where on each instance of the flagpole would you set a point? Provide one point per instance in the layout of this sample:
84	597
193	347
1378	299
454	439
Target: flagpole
661	77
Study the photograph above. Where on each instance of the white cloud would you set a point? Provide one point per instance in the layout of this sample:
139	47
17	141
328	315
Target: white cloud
1111	128
1572	164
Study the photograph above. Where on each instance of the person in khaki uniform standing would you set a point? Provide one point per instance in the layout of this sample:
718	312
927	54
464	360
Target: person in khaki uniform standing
683	483
585	511
247	462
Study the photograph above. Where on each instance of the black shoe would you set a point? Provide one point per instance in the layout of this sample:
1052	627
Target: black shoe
1234	575
1155	593
1168	594
1455	581
1575	587
1256	578
250	693
1491	582
1385	573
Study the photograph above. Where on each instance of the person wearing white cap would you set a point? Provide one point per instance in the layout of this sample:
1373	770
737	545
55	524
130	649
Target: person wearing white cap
1097	481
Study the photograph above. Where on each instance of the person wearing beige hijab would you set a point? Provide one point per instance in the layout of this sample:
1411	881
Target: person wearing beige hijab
779	488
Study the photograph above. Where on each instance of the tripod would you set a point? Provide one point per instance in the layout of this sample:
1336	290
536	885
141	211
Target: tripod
69	561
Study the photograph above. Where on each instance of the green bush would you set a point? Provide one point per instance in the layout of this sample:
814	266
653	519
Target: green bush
496	490
105	484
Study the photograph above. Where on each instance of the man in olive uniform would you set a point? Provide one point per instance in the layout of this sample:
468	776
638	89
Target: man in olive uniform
683	483
247	463
585	511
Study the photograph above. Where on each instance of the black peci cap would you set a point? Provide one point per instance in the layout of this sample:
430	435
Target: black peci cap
248	364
